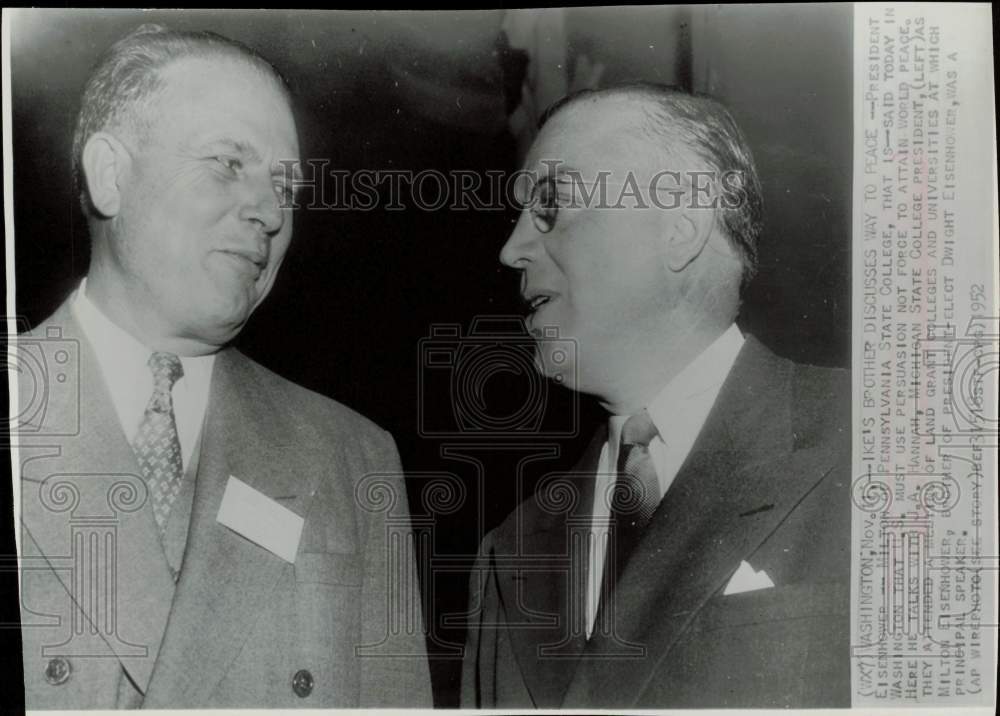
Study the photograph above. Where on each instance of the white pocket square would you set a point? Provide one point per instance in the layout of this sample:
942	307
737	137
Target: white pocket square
745	579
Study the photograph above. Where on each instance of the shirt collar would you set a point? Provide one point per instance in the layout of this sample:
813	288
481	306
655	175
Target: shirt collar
123	360
121	356
680	408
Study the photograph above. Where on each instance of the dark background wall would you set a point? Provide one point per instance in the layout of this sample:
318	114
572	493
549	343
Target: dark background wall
360	290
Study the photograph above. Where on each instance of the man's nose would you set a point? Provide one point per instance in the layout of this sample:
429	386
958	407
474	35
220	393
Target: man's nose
263	206
522	244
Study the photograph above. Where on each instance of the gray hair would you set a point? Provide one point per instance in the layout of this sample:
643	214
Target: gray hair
127	78
705	127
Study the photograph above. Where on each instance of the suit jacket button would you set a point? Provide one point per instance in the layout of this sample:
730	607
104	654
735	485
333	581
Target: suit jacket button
302	683
57	671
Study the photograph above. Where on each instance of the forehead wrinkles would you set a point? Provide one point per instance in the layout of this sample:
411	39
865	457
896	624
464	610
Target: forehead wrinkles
597	135
224	87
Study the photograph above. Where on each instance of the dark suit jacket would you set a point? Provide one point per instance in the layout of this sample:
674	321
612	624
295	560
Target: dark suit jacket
240	622
767	481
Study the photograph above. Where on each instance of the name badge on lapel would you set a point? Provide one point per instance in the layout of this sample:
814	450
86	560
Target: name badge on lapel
260	519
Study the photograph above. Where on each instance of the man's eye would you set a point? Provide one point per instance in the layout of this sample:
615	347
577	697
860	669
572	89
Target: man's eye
547	195
555	194
285	194
545	206
232	164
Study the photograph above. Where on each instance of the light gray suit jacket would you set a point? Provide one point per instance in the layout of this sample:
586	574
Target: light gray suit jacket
341	627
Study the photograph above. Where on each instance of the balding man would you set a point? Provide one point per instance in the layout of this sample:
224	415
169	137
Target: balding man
198	531
700	555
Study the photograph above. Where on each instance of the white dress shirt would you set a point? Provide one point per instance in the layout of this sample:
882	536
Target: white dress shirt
123	362
678	411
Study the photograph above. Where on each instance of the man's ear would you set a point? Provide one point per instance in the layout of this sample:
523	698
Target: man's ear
105	161
687	236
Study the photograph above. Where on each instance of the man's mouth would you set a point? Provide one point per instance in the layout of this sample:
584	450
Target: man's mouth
255	260
533	302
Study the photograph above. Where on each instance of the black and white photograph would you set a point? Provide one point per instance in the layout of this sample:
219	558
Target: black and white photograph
589	358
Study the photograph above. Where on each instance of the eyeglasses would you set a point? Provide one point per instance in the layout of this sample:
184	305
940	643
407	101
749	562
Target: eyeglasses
542	199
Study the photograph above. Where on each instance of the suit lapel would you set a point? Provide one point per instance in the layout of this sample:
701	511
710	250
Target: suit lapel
226	580
112	510
739	482
543	589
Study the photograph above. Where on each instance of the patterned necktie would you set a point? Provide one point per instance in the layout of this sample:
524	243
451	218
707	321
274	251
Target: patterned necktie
156	445
635	496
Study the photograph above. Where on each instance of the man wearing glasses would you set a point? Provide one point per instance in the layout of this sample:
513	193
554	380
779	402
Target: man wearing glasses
704	558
